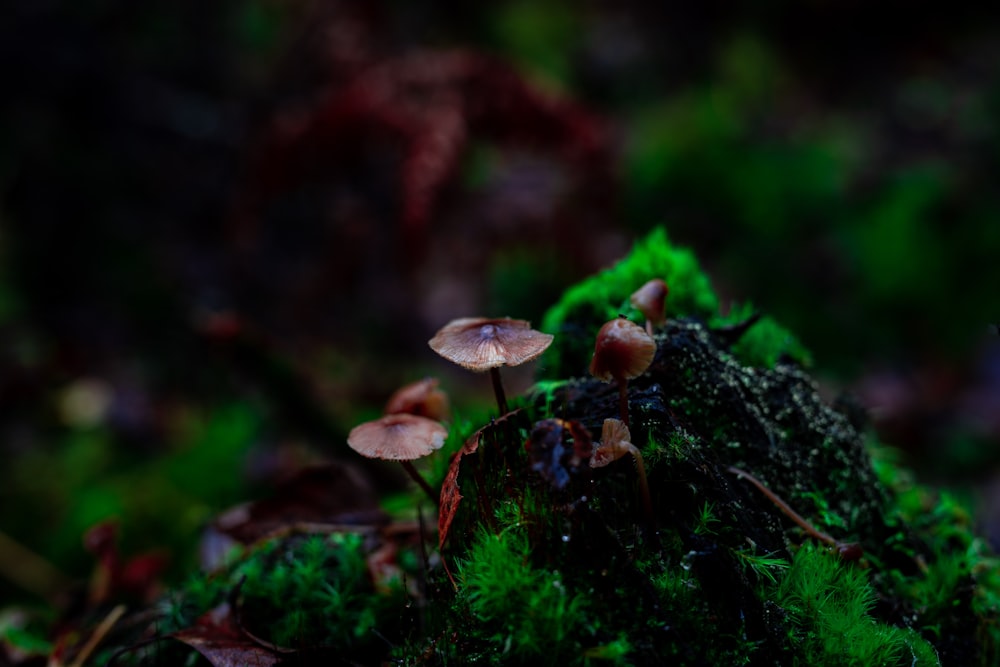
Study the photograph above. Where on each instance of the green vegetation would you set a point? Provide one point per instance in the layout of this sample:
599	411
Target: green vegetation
584	307
298	592
86	477
717	554
828	603
305	175
546	560
528	613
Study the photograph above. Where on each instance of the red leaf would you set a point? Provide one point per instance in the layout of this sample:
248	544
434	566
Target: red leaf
217	637
450	495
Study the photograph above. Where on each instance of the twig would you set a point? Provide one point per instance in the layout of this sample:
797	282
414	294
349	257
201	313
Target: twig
848	550
100	632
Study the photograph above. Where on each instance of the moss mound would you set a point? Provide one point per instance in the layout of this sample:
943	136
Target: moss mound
587	305
774	537
721	574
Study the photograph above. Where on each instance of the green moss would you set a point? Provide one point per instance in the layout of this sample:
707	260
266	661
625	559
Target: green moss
951	566
765	567
576	318
574	573
301	591
675	446
325	581
525	612
706	520
828	602
765	342
589	304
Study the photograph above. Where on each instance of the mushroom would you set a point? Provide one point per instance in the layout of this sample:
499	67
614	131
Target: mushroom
623	350
481	344
400	437
422	398
650	300
616	442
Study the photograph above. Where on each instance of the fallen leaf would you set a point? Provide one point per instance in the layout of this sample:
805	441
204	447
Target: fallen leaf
217	637
331	493
450	495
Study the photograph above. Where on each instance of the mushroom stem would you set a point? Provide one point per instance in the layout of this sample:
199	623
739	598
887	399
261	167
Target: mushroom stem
623	400
498	390
647	502
421	482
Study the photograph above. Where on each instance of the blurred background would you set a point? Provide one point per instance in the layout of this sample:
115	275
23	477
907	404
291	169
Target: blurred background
228	229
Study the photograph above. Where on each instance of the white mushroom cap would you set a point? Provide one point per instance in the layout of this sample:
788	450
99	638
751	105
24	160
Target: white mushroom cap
399	437
616	442
482	343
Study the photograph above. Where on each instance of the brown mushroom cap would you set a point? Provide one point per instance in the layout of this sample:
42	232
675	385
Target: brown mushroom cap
616	442
623	350
422	398
614	431
399	437
650	300
482	343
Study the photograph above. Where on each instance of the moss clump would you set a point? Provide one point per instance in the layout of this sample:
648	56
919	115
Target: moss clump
766	342
528	611
299	592
725	577
575	319
955	567
592	302
829	603
549	561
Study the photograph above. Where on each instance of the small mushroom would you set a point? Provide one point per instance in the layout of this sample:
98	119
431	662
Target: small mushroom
616	442
422	398
484	344
400	437
623	350
651	301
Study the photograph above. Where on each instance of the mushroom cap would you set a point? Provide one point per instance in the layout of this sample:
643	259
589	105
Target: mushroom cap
616	442
399	437
614	431
623	350
421	398
650	300
482	343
